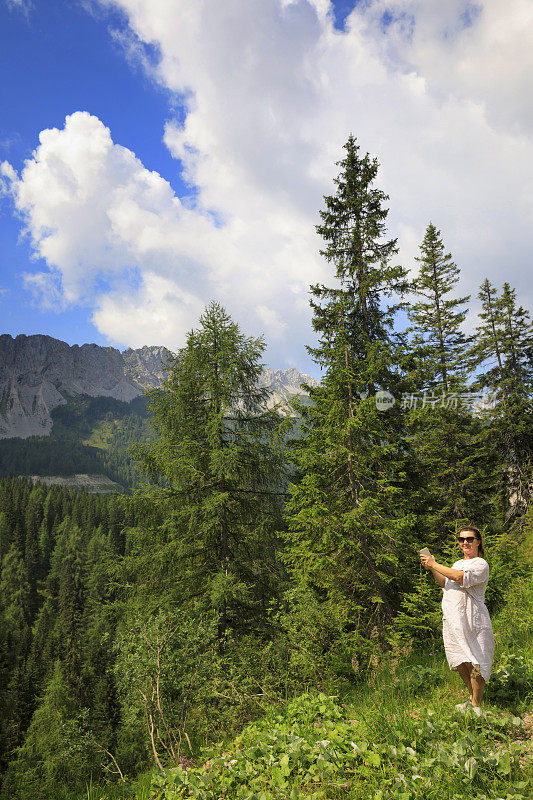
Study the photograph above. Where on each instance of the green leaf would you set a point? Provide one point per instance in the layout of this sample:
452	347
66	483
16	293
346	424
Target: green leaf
504	763
284	765
373	759
471	766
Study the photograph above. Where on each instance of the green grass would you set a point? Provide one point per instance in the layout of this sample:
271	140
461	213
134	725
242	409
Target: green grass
101	434
140	789
394	743
396	737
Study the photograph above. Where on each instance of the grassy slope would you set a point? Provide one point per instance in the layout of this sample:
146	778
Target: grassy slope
395	737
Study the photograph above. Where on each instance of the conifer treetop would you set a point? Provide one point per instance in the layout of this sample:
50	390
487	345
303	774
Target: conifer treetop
353	226
436	318
354	231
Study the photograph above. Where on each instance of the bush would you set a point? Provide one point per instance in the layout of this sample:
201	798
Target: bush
317	751
512	681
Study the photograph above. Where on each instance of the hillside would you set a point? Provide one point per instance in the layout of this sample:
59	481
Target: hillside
395	737
90	435
39	373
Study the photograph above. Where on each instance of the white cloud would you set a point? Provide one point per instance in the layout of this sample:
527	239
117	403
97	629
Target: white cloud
439	92
115	237
159	312
479	51
7	176
94	213
46	290
274	326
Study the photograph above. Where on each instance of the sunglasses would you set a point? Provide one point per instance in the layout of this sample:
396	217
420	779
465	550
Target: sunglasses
466	539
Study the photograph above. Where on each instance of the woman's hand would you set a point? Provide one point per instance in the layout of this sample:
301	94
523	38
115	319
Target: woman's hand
440	572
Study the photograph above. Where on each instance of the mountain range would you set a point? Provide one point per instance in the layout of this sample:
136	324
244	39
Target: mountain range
39	373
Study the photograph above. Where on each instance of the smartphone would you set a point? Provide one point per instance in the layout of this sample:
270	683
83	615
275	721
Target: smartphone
424	552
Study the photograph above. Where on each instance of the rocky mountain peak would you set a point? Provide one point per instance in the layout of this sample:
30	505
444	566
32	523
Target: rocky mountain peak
38	373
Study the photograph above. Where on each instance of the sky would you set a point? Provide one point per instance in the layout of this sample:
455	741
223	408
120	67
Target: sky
159	154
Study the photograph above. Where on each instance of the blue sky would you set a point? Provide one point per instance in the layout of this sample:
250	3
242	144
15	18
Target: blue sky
55	59
208	134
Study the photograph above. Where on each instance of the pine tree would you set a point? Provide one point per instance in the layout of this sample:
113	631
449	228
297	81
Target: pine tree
503	346
59	749
5	535
15	638
517	343
436	319
70	619
503	355
222	468
487	347
346	515
99	624
46	646
420	618
454	477
71	597
49	510
15	600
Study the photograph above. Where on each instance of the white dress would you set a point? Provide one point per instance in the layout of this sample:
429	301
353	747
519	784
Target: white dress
466	629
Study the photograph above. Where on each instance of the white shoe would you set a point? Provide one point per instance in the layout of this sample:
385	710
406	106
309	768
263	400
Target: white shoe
462	707
477	710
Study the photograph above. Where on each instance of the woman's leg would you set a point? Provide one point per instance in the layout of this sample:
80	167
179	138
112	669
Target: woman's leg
478	687
464	671
473	682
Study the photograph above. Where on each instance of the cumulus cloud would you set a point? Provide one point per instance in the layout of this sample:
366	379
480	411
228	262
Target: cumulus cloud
160	311
438	91
115	237
92	209
270	90
479	51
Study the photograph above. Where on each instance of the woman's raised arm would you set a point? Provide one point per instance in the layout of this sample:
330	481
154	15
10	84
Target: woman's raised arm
441	580
439	570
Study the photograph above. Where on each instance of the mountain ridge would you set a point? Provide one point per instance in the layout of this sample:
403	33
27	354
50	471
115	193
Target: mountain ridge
38	373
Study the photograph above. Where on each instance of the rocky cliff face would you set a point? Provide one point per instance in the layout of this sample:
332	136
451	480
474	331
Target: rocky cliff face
144	367
38	373
285	383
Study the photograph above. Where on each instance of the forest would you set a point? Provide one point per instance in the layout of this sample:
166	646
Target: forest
257	582
89	435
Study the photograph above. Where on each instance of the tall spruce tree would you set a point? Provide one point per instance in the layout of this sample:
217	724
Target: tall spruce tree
346	516
218	456
436	318
487	348
59	750
455	460
503	355
15	638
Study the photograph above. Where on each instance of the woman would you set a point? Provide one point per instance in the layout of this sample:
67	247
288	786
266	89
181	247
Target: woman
466	628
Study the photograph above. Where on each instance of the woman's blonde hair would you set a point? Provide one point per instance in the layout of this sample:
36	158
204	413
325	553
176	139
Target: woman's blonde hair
471	528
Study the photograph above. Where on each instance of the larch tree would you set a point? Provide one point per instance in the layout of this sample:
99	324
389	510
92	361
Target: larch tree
219	462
